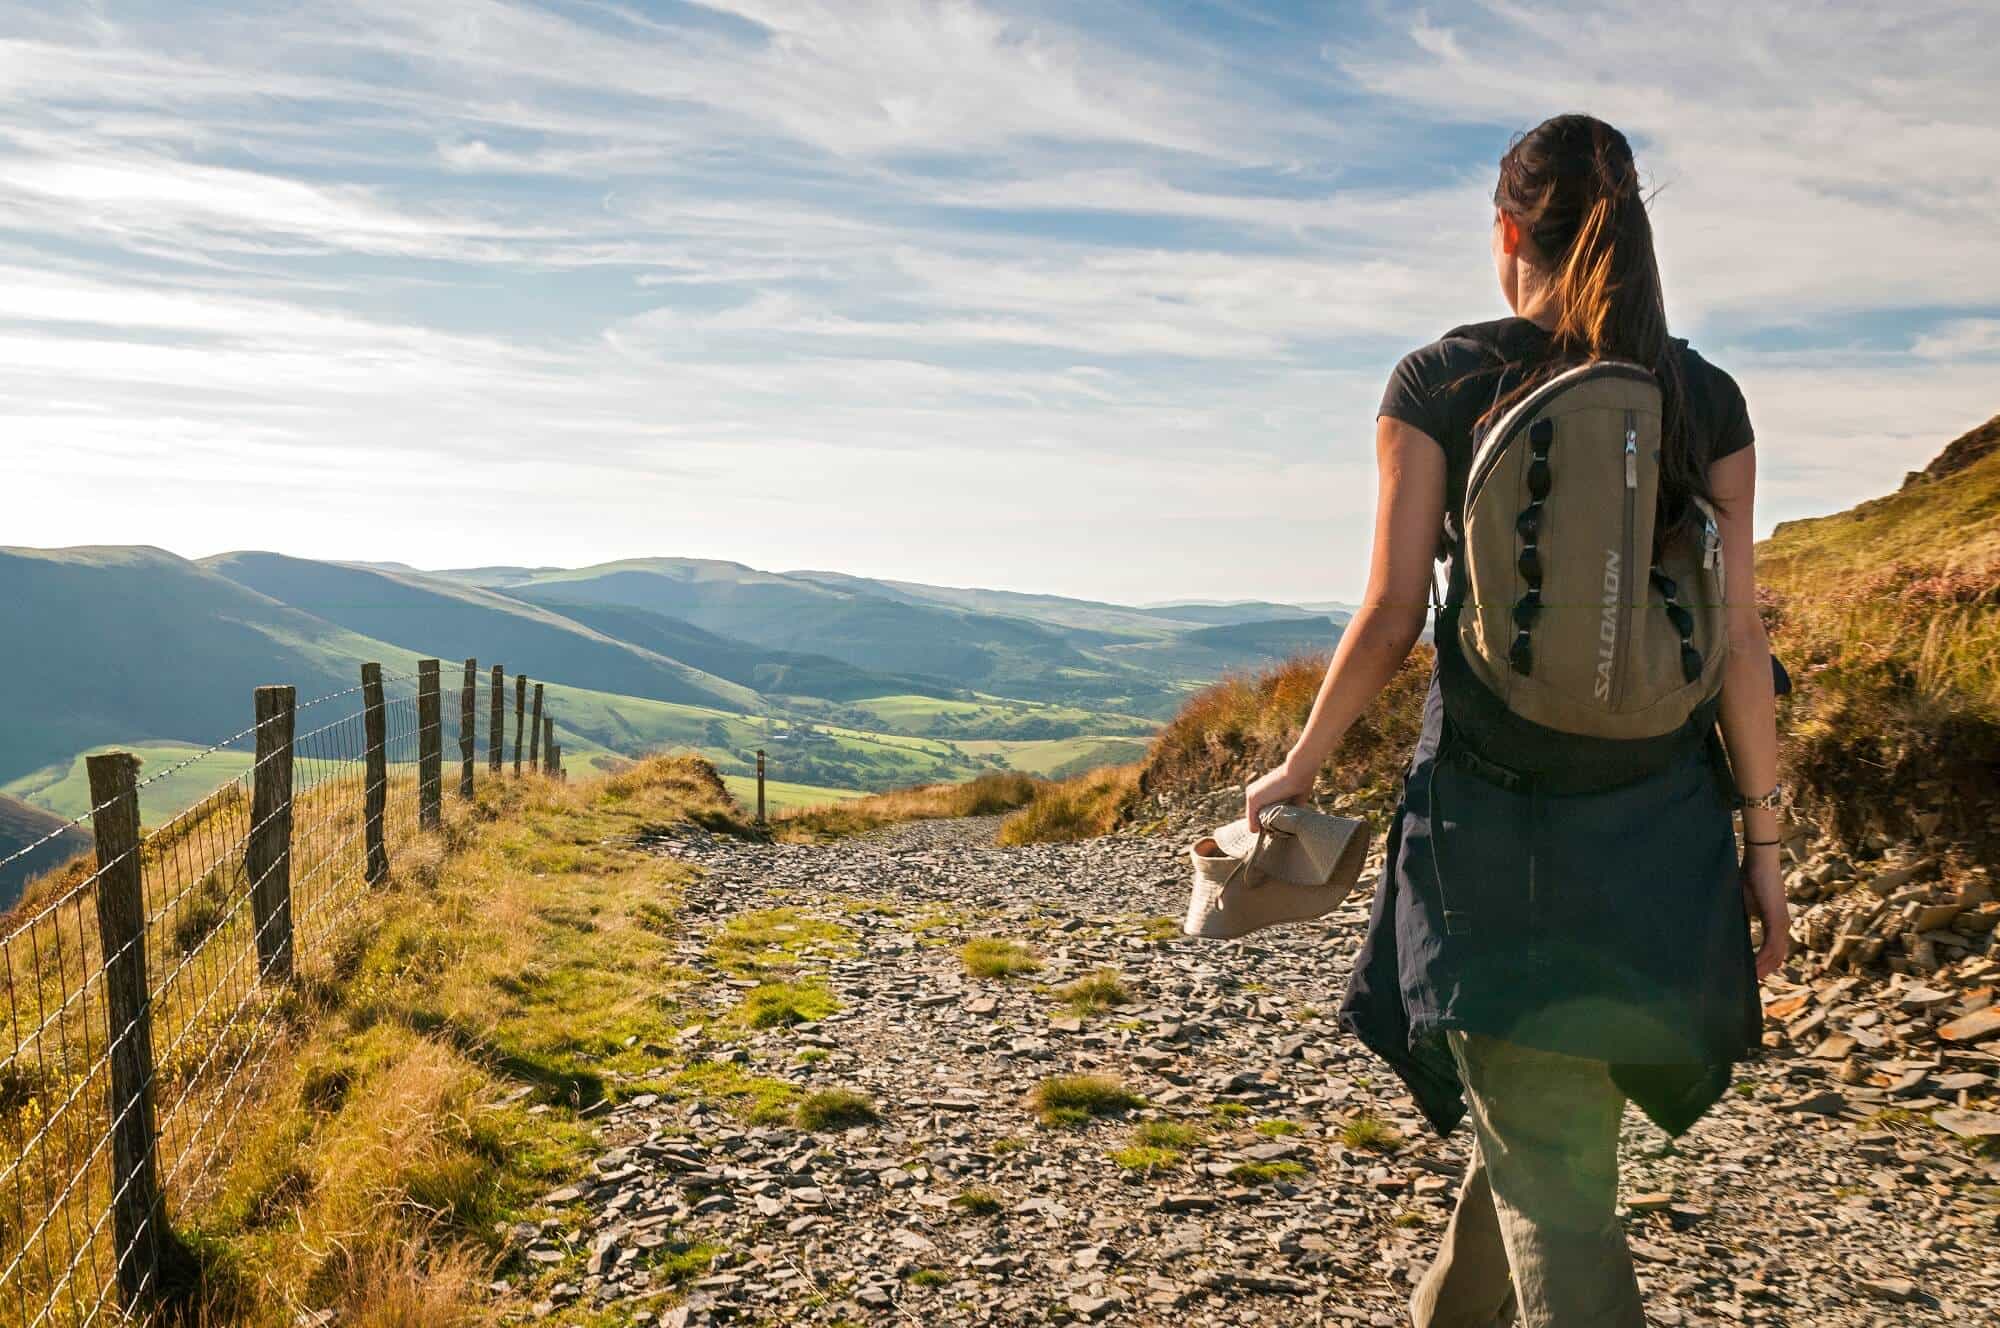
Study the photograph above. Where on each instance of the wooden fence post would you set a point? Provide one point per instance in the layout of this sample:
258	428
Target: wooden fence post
535	732
151	1259
468	721
496	725
376	782
430	745
267	858
520	710
760	786
548	726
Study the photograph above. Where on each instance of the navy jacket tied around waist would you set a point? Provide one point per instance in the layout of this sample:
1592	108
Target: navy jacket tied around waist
1608	925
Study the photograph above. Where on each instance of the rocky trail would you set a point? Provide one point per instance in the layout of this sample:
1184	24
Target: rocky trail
1291	1181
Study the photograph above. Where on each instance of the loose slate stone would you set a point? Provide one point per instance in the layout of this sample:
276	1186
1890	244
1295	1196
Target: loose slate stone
959	1206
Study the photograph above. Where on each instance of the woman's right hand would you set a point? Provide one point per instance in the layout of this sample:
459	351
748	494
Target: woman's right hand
1764	899
1284	784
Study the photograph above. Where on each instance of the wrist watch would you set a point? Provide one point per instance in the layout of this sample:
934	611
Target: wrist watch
1767	801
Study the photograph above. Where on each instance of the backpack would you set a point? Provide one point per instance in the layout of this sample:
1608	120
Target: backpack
1568	650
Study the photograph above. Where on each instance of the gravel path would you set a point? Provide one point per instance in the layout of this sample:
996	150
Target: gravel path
1797	1201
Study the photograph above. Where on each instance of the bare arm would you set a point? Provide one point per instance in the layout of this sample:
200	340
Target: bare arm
1749	708
1409	513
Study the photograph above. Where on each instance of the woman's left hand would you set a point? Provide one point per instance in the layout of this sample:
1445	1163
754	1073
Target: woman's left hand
1764	899
1281	785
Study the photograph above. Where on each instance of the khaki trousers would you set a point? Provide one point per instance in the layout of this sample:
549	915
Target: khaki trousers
1535	1239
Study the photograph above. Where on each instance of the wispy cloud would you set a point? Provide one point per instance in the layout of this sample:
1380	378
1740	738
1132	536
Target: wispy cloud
998	292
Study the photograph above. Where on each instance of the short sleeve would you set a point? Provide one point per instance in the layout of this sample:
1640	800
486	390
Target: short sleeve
1732	416
1410	395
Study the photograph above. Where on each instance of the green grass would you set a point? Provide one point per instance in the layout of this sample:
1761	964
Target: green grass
1141	1157
1058	758
1276	1129
1168	1134
1229	1111
1078	1098
773	940
783	796
396	1115
756	1098
1095	994
991	957
929	1277
778	1004
1265	1173
1367	1131
835	1109
65	790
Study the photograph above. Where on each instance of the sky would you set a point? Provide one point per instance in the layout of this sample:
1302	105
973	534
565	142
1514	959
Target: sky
1094	299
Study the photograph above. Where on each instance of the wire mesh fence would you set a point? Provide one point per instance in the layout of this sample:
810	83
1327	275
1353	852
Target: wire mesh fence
141	982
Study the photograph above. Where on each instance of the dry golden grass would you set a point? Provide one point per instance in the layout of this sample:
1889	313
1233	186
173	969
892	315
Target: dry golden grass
375	1133
214	1021
1080	807
988	795
1888	616
1231	732
1243	726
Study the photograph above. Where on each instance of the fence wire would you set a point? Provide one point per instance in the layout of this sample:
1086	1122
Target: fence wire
213	1004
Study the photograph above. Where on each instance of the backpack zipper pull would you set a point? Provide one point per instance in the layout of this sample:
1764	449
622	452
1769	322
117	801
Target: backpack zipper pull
1631	455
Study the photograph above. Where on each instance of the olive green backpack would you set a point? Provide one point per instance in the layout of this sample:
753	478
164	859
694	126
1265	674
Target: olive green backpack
1578	644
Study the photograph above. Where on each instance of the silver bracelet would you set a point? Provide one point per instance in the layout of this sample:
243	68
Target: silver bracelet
1769	802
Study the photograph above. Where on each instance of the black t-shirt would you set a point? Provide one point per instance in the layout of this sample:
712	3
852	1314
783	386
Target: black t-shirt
1444	388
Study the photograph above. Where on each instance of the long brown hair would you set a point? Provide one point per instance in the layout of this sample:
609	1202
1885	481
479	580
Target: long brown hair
1572	187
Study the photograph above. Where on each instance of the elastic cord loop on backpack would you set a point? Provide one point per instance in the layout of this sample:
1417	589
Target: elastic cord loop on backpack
1683	622
1521	655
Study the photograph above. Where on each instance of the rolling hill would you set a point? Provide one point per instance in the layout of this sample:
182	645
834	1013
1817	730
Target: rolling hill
775	672
1013	656
135	643
452	620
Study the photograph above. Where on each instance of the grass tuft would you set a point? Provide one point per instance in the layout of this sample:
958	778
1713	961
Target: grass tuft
1074	1099
835	1109
1169	1134
977	1202
780	1004
991	957
1367	1131
1140	1157
1265	1173
1095	994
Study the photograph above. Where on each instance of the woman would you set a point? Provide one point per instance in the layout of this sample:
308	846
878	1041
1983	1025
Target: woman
1644	985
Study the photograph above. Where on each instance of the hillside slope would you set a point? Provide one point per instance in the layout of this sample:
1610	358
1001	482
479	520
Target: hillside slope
1889	616
133	643
453	620
22	825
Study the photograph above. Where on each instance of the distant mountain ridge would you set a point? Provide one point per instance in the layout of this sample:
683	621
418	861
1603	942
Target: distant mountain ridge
859	682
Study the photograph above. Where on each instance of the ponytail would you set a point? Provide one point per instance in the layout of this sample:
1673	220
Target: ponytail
1572	187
